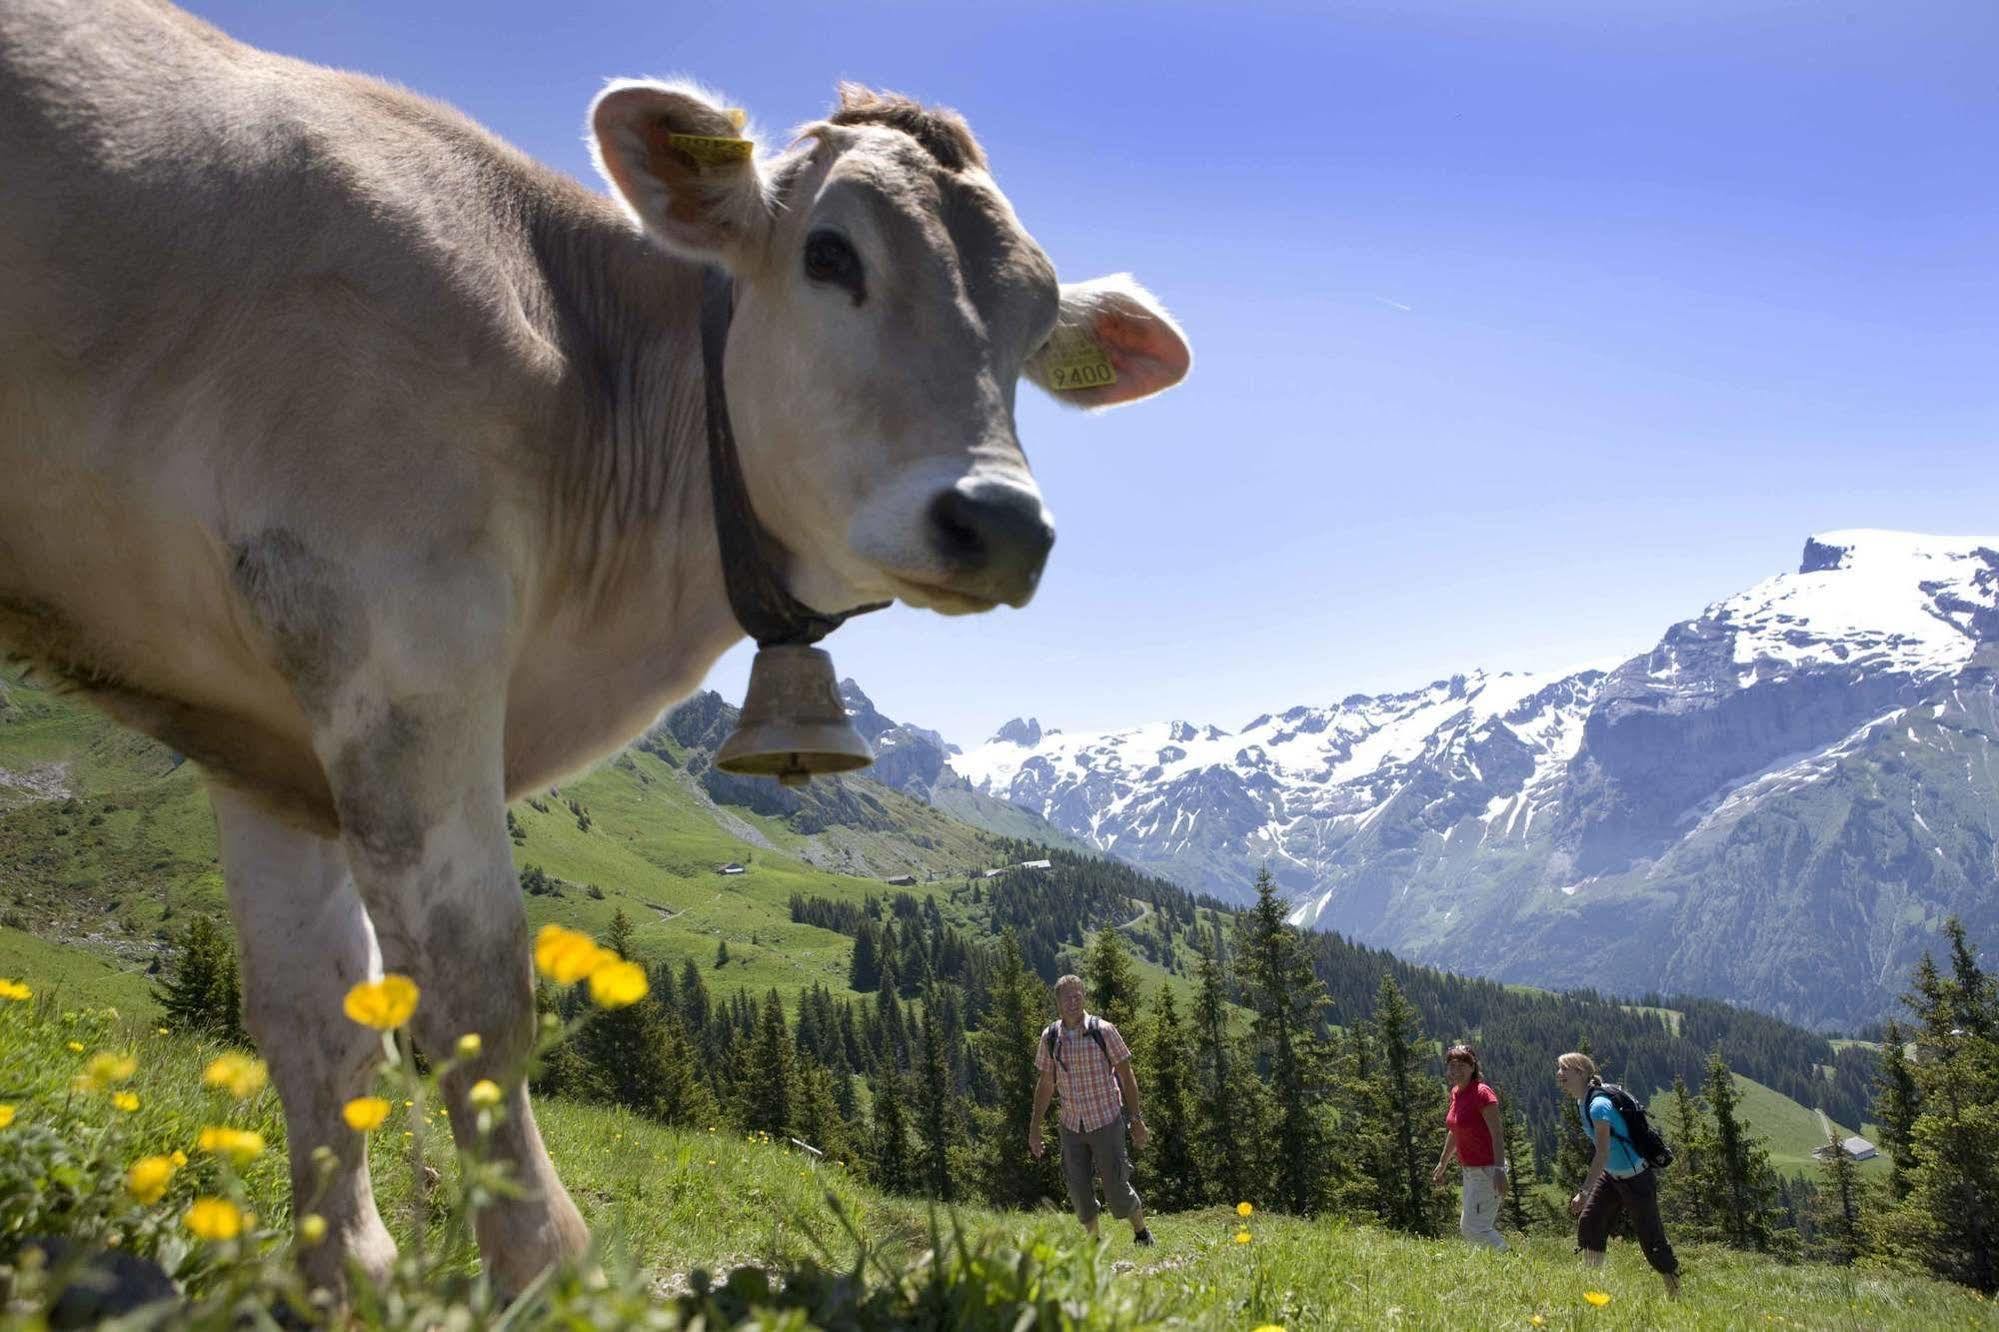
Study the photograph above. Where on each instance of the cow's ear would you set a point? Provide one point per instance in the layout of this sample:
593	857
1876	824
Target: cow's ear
683	167
1113	343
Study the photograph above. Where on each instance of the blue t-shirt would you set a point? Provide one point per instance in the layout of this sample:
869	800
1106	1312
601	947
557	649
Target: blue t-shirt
1623	1161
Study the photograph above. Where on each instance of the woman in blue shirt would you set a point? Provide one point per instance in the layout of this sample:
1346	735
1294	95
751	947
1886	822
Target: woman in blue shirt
1619	1182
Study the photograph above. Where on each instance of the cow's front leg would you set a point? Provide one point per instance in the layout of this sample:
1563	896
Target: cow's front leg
304	941
417	782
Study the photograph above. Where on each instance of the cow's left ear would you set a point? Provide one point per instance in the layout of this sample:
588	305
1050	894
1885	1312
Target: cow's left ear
1113	343
684	169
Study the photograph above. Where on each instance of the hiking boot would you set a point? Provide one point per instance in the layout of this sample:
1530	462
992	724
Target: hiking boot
1143	1238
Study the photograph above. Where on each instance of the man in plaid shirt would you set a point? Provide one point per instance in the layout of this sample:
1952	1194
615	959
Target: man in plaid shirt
1087	1060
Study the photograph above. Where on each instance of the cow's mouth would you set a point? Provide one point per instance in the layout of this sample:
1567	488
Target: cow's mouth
938	597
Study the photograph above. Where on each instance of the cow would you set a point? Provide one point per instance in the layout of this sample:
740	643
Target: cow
360	458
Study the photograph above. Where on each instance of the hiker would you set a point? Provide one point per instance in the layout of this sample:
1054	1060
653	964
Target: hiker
1086	1058
1620	1183
1472	1135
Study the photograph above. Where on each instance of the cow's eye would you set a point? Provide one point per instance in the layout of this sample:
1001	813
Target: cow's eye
829	258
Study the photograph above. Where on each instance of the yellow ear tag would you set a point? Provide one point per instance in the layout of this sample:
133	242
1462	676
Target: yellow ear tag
1073	360
709	150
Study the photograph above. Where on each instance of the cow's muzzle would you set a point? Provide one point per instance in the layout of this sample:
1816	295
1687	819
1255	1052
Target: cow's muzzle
992	539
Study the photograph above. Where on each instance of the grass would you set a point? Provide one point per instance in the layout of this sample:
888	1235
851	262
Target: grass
668	1204
1789	1130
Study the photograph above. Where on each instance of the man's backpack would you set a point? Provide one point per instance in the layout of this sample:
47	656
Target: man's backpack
1643	1138
1050	1035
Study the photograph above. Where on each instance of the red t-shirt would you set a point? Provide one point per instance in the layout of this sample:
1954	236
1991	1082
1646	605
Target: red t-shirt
1466	1121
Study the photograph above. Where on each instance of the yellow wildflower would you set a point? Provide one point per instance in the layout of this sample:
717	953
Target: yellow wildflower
104	1071
13	989
238	1074
1271	1327
217	1219
6	1115
469	1045
75	1047
1244	1209
126	1101
384	1004
1596	1297
1242	1237
161	1031
1538	1321
240	1145
565	956
485	1094
178	1157
311	1229
364	1114
618	984
147	1179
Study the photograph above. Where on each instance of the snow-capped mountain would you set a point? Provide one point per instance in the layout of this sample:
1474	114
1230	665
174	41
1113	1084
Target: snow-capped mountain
1777	803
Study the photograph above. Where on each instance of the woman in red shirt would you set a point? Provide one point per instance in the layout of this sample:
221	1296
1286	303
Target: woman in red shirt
1472	1136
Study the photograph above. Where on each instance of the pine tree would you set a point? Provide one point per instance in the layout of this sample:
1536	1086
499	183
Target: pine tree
864	974
1226	1140
1686	1190
1837	1219
1519	1167
1175	1168
888	1144
721	953
816	1116
938	1105
1744	1185
1114	987
1408	1102
1288	1000
200	992
1896	1105
1004	1050
767	1091
623	1050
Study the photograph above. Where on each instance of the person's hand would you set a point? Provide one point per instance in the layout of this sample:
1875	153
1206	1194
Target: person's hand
1576	1205
1139	1136
1437	1178
1499	1178
1034	1142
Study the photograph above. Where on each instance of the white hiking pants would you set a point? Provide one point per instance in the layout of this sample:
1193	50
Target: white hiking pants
1479	1221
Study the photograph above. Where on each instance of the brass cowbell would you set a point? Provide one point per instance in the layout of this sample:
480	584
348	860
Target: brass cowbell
793	724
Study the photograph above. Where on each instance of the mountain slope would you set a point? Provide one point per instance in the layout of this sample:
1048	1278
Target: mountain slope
1777	804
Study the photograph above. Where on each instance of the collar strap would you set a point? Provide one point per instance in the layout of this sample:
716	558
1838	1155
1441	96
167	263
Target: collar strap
753	561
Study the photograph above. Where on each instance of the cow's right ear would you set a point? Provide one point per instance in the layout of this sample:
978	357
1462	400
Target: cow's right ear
683	168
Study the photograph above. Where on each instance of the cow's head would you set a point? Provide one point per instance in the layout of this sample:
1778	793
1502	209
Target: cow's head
887	302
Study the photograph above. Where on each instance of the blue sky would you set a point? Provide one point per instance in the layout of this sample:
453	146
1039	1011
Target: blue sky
1522	327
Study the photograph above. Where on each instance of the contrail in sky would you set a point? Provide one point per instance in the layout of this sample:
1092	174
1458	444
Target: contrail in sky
1398	305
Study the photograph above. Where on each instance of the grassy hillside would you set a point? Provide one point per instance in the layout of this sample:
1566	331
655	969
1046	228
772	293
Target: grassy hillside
666	1203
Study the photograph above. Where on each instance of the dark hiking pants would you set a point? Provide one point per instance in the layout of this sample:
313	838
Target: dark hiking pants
1099	1152
1636	1198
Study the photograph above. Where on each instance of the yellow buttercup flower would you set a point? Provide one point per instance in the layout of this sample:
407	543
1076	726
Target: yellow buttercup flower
1271	1327
469	1045
618	984
13	989
240	1145
6	1115
178	1157
364	1114
217	1219
384	1004
1242	1237
104	1071
238	1074
126	1101
75	1047
1244	1209
1538	1321
147	1179
565	956
1596	1297
311	1229
485	1094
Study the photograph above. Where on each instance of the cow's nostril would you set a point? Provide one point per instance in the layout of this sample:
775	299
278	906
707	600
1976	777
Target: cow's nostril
956	531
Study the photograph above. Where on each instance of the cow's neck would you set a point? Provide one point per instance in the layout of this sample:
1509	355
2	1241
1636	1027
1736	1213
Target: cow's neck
639	587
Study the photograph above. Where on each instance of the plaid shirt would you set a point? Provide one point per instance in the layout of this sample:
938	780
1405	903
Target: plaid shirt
1084	1079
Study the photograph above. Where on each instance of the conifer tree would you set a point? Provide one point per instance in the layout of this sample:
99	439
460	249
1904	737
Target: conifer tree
685	1099
938	1106
200	992
1223	1130
1288	1000
1687	1190
1519	1166
888	1143
890	1029
1408	1103
1004	1050
1114	987
1174	1164
1837	1220
816	1117
623	1050
767	1091
1896	1105
1744	1185
864	973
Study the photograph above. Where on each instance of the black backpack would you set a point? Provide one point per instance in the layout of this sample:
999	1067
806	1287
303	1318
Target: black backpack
1644	1139
1054	1052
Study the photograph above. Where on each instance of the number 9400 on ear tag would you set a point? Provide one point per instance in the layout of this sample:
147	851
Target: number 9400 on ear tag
1074	360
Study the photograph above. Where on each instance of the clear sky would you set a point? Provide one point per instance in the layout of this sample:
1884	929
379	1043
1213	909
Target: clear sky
1522	328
